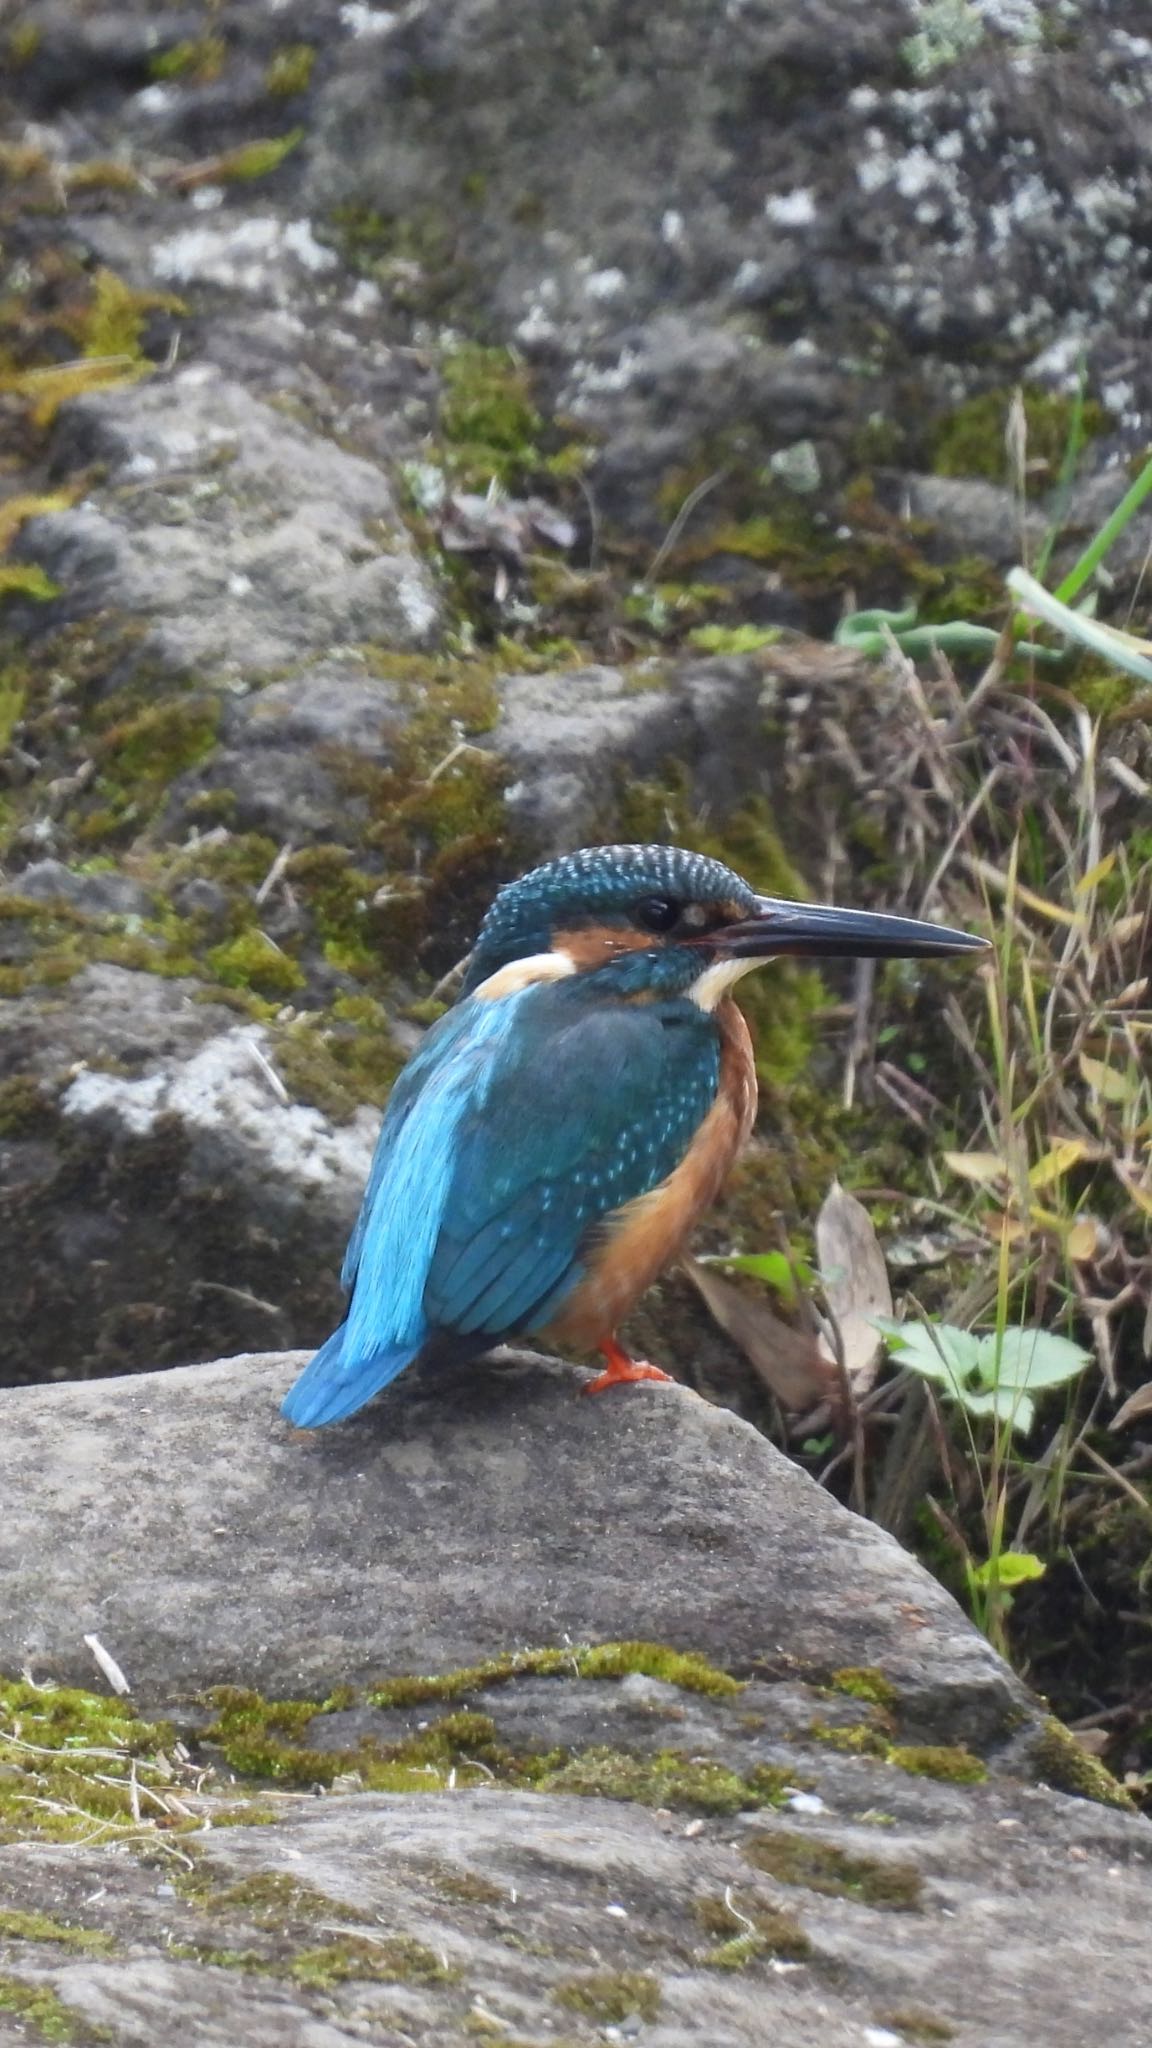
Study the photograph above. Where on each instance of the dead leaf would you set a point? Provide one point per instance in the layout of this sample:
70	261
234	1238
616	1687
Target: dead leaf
982	1167
1082	1240
1111	1084
1137	1404
855	1282
1062	1157
789	1361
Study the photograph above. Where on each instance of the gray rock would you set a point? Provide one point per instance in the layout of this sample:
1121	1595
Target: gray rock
839	195
168	1196
174	1517
282	747
457	1520
975	518
574	740
523	1901
97	895
246	539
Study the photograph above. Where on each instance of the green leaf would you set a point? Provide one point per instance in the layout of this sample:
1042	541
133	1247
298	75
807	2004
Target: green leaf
776	1269
1031	1359
938	1351
1010	1568
1016	1409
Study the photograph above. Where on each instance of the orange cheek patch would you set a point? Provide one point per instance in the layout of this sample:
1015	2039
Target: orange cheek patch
592	945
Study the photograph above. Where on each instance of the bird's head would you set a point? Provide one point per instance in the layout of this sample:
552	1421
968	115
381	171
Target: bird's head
672	921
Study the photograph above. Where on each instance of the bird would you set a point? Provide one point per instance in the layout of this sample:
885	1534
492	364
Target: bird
549	1146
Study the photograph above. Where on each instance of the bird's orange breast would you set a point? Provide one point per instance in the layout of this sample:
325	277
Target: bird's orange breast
633	1245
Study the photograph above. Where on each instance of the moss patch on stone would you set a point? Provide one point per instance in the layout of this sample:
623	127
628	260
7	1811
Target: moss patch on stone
865	1682
685	1784
601	1660
384	1959
820	1866
951	1765
37	2006
488	419
252	960
26	1109
914	2024
745	1935
18	1926
67	1761
264	1739
1059	1761
609	1997
971	440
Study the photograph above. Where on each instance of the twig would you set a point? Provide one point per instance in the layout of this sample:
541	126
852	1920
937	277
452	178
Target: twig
694	498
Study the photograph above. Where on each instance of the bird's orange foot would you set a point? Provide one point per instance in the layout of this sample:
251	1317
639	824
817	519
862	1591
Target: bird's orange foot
621	1369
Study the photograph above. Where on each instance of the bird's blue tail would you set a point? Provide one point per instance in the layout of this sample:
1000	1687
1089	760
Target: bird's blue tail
334	1385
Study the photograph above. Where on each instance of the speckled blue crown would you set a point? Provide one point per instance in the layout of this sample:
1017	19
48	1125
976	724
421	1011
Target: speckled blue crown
594	882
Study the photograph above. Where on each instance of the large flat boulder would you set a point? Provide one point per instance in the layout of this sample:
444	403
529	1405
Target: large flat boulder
206	1542
570	1848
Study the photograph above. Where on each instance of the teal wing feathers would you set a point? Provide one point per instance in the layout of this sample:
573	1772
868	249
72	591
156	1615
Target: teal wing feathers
521	1122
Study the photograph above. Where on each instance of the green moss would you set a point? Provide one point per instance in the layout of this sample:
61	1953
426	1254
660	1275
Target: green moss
922	2028
970	440
256	159
338	896
16	1926
685	1784
27	579
217	1958
36	2006
488	419
388	1959
955	1766
291	70
251	960
602	1660
732	639
267	1739
114	322
13	698
338	1059
67	1760
1103	692
264	1739
607	1997
23	42
268	1899
200	59
865	1682
102	174
857	1740
1059	1761
772	1933
139	757
25	1110
820	1866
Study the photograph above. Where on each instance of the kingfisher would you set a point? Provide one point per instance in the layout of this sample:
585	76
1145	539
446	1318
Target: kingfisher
550	1145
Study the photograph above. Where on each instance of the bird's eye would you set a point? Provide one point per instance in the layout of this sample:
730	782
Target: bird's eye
657	913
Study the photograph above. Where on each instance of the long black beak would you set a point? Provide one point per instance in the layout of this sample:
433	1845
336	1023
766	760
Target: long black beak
822	929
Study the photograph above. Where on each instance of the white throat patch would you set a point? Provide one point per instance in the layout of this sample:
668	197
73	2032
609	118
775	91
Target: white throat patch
521	974
713	985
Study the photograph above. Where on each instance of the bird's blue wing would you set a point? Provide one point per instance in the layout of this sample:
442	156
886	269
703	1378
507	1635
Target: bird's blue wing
520	1122
588	1105
389	1253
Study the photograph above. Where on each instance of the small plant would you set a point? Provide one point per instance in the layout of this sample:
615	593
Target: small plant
999	1374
